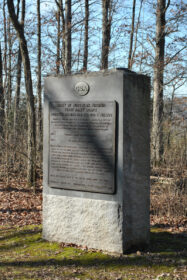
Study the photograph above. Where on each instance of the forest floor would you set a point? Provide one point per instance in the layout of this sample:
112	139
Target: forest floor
25	255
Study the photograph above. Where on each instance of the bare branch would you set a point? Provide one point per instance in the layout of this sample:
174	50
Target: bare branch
167	6
148	39
171	58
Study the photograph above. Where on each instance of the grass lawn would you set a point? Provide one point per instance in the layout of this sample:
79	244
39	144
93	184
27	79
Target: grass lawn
25	255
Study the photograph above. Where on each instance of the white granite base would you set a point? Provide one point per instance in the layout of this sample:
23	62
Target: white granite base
87	222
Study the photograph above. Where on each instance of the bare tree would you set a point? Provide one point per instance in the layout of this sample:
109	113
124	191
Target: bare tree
60	12
39	86
5	89
68	51
29	90
86	22
157	126
5	45
58	42
9	85
106	31
132	56
175	86
132	35
18	77
2	100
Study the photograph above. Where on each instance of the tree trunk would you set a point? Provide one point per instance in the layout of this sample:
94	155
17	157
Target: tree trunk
170	116
2	100
9	89
18	3
5	47
29	90
67	37
17	94
131	36
61	11
136	35
86	21
58	43
157	126
63	34
106	32
5	92
39	87
135	39
18	78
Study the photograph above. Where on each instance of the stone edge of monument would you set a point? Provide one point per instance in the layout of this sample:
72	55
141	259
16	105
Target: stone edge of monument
136	197
133	228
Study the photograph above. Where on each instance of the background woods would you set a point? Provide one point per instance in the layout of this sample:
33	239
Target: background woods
38	37
54	37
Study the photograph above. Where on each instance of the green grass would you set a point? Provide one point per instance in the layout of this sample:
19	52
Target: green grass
25	255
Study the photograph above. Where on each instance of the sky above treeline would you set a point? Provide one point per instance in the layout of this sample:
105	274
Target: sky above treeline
120	37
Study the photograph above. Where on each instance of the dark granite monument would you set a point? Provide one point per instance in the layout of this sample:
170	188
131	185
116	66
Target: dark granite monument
96	159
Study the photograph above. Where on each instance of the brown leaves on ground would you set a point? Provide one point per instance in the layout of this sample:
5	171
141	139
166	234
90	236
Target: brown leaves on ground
168	204
19	205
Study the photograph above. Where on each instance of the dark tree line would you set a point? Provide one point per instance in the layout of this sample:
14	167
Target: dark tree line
66	37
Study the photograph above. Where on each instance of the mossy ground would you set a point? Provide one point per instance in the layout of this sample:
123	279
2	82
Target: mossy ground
25	255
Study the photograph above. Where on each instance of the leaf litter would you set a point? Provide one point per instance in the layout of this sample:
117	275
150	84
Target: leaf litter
20	207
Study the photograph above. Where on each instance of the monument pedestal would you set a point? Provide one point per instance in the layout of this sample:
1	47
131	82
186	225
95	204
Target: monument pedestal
96	160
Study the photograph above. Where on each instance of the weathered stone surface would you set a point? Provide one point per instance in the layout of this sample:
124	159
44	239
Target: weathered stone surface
115	221
88	222
136	164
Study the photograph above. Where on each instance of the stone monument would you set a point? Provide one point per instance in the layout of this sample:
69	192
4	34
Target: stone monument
96	160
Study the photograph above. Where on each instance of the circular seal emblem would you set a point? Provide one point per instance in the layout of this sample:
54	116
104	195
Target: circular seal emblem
81	88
